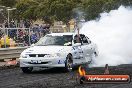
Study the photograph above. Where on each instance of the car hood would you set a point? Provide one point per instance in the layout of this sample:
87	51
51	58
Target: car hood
46	49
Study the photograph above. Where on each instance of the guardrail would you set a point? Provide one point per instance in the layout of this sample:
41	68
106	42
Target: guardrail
10	53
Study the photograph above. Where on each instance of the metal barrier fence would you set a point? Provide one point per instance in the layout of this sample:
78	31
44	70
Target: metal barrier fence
10	53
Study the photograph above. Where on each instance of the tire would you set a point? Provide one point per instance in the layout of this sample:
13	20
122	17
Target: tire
69	63
27	69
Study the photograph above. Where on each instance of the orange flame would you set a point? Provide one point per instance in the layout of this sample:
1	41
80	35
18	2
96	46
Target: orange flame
81	71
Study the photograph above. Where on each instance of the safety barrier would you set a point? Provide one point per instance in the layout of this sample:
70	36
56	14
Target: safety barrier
11	53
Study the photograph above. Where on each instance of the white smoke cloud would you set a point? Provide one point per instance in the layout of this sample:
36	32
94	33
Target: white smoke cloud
113	35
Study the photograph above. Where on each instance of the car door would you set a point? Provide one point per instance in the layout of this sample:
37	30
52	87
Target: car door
77	50
87	48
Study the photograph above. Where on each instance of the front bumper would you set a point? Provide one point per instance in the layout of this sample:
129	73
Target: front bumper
42	62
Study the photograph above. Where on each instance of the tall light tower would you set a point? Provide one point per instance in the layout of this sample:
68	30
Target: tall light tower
8	12
1	13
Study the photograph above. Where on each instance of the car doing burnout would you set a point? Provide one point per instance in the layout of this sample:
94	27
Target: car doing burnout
58	50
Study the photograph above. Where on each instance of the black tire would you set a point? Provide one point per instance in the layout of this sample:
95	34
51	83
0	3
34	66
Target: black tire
27	69
69	63
82	79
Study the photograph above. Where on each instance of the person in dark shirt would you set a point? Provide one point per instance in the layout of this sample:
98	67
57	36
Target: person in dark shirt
26	39
6	25
27	24
34	38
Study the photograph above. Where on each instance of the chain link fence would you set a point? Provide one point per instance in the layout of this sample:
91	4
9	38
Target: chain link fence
21	36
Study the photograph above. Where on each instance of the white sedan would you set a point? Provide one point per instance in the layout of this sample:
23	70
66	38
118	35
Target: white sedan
58	50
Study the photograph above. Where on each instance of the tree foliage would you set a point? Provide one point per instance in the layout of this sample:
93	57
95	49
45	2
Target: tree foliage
26	9
8	3
62	9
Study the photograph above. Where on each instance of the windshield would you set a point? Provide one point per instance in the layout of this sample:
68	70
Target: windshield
65	40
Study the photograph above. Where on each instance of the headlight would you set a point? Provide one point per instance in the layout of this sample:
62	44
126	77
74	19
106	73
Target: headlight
24	56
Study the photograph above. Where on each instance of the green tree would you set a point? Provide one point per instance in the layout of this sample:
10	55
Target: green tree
52	9
26	8
93	8
8	3
56	10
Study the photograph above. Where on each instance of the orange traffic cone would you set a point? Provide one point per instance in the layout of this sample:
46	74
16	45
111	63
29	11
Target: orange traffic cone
12	62
106	69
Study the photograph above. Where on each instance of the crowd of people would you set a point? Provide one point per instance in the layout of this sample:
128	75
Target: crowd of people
32	35
26	33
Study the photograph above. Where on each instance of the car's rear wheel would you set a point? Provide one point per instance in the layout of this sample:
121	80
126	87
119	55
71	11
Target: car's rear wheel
27	69
69	63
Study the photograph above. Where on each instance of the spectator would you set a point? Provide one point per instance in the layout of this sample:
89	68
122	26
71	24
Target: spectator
34	38
26	39
5	41
21	25
20	36
42	31
6	25
47	28
27	24
12	32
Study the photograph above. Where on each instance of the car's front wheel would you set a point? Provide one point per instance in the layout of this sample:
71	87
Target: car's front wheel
69	63
27	69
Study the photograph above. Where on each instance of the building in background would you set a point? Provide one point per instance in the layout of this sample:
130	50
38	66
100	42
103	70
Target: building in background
72	24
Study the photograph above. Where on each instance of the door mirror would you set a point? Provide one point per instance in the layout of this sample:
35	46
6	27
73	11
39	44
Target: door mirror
68	44
77	44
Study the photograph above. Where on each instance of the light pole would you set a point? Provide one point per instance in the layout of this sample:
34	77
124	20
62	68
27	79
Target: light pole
1	9
8	12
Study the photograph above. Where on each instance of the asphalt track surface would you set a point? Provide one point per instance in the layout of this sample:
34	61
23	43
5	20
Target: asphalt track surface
54	78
